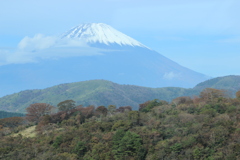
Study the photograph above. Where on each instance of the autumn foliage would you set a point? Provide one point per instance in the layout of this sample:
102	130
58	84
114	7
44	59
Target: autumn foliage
37	110
201	127
11	122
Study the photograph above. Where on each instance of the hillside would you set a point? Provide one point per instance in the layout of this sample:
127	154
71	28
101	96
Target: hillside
229	83
102	92
94	92
4	114
190	128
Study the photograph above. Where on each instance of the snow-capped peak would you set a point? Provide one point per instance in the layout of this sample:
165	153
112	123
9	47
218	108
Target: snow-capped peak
100	33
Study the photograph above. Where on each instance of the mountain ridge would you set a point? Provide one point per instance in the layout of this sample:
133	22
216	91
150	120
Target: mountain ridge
103	92
92	92
229	83
123	64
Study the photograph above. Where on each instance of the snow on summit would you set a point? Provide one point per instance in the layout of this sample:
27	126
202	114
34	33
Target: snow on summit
100	33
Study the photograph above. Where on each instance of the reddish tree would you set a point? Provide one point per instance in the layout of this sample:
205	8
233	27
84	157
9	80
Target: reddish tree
35	111
82	112
124	109
87	112
57	117
101	110
211	94
182	100
11	121
144	105
238	94
43	121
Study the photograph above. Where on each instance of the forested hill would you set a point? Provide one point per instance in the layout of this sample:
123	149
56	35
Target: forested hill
102	92
229	83
200	128
4	114
94	92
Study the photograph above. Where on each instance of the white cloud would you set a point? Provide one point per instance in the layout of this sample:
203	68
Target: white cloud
171	75
31	49
14	56
39	41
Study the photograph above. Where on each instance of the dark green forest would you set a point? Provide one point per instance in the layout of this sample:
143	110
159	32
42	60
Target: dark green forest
202	127
4	114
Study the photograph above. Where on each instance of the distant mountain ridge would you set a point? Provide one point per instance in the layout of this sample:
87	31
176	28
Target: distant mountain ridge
4	114
93	92
229	83
102	92
96	51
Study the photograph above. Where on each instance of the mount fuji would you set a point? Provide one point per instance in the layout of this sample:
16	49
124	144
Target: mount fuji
95	51
100	34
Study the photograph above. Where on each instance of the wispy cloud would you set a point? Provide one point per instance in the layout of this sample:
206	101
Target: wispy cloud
171	75
37	42
31	49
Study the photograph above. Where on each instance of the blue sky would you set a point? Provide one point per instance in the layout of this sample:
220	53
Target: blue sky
202	35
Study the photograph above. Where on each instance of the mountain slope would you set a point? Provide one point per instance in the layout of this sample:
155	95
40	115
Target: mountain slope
230	83
102	92
109	55
94	92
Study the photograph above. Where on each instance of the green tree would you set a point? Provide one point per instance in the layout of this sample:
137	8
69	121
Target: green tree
80	148
118	136
147	106
99	151
58	140
127	145
134	117
66	105
176	147
111	109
